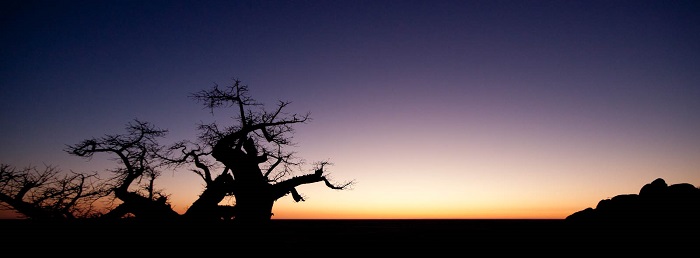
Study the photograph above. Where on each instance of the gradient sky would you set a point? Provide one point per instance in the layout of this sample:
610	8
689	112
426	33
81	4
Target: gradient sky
437	109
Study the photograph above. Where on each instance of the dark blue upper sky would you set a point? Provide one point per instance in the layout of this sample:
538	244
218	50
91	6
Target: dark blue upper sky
578	82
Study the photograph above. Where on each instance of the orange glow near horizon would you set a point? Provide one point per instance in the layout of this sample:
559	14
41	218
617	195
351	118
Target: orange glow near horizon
287	209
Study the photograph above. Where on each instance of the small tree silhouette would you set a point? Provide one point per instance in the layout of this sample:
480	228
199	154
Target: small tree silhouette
48	193
136	152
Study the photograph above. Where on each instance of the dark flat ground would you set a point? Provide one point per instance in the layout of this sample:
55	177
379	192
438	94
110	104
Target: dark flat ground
437	238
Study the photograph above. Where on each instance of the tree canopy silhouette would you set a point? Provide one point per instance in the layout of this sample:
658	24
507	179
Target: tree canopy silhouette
48	193
247	160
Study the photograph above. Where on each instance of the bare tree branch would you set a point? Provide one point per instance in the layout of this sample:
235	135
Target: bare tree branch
50	193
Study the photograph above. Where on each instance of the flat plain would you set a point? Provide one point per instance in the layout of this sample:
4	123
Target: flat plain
437	238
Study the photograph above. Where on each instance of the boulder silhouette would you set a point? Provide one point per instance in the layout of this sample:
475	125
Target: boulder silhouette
657	204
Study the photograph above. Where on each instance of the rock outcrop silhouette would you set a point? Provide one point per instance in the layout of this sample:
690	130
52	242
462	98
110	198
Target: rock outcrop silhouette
656	204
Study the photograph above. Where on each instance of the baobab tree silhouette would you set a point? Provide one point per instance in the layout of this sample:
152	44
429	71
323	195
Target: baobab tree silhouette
256	169
256	166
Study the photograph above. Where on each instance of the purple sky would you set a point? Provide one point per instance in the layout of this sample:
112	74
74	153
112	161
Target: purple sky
436	108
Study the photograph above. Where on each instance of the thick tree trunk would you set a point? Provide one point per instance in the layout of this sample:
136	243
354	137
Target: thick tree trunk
142	208
206	207
254	204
